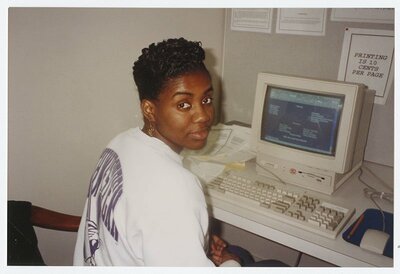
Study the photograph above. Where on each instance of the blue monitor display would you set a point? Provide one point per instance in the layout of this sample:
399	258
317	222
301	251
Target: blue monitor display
302	120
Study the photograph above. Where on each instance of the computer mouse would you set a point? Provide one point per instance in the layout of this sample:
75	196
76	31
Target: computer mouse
374	240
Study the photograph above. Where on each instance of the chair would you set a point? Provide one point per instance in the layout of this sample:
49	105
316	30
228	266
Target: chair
22	244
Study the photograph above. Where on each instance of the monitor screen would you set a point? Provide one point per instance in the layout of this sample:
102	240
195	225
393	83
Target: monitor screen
302	120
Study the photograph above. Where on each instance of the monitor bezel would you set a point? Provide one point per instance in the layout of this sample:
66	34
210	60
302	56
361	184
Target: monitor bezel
341	162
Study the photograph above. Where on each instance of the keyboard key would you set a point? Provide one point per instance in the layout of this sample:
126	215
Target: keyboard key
300	209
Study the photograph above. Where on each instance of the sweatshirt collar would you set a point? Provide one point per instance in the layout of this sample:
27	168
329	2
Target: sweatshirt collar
159	145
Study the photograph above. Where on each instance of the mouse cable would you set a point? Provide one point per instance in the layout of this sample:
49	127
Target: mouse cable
372	194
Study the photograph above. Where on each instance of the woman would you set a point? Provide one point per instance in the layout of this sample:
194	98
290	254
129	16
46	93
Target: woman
143	207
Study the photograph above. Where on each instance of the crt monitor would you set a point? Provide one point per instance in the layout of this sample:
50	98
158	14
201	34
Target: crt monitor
310	132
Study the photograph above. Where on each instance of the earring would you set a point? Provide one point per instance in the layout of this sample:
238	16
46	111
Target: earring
150	130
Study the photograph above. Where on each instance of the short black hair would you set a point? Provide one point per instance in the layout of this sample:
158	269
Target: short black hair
163	61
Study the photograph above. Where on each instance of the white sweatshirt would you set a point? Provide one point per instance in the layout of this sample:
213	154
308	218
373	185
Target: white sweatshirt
143	208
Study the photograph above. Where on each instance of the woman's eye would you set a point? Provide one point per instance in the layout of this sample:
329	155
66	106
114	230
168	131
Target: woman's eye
207	100
184	105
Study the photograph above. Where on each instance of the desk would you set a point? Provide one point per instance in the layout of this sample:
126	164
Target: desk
338	251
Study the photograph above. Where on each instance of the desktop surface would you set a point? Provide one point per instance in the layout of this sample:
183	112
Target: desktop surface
336	251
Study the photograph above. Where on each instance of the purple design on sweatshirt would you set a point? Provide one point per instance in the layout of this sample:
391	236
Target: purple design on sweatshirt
104	192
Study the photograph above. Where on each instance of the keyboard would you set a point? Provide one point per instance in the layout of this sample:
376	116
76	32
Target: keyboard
280	201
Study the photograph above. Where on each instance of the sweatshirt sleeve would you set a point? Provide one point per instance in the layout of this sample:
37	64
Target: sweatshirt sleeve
230	263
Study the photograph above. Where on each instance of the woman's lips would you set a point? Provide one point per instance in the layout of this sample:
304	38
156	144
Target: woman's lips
199	134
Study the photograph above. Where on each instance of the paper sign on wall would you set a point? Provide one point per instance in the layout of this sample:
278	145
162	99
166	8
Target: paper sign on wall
254	20
368	58
382	15
301	21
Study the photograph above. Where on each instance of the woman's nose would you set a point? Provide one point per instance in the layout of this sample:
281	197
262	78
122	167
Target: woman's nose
203	114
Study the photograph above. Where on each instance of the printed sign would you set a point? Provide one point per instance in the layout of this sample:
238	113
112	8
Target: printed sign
368	58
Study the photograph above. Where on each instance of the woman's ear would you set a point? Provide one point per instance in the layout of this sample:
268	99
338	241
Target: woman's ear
148	110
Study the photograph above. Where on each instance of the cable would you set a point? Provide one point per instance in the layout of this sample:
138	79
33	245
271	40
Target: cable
371	193
272	173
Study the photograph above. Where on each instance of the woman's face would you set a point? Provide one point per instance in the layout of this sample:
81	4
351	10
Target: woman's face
183	113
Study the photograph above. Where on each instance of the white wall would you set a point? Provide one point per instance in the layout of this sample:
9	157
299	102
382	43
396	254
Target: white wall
248	53
71	90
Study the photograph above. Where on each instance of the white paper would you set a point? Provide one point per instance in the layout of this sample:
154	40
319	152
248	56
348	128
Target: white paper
255	20
206	171
301	21
383	15
227	146
368	58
